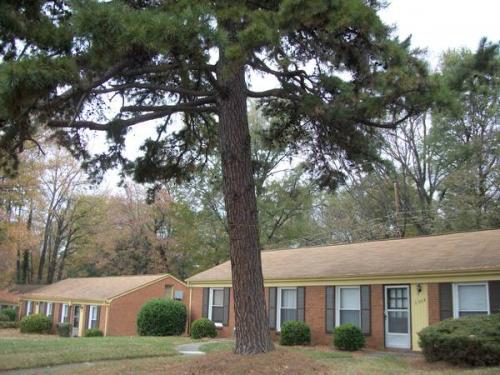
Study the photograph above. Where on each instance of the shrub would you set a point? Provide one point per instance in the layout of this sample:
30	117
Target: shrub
295	333
4	317
5	325
348	337
36	323
10	313
471	340
93	332
203	328
63	329
161	317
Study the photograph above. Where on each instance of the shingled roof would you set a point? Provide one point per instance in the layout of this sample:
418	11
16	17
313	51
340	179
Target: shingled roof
93	288
473	251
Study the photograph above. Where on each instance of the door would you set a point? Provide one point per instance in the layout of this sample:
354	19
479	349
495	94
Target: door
76	320
397	317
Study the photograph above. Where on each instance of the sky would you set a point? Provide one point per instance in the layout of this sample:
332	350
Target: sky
435	25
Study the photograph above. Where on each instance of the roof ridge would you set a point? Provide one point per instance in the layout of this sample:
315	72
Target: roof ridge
379	240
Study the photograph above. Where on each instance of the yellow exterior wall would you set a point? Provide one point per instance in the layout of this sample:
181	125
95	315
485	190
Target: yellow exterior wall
419	312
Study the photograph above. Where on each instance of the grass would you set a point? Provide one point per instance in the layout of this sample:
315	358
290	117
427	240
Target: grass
27	351
155	355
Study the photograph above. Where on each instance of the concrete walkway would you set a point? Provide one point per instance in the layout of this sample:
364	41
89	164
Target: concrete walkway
191	349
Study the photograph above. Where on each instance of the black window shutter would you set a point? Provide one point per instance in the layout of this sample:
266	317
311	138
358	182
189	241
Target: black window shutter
272	308
445	301
329	309
87	317
494	290
225	319
98	316
301	303
365	309
60	317
204	310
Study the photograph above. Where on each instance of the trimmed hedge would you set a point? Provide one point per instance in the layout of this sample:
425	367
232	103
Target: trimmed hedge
5	325
93	332
161	317
471	340
203	328
10	313
348	337
63	329
294	332
36	323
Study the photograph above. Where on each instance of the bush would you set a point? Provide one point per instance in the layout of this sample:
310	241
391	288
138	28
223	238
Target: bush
63	329
36	323
471	340
295	333
161	317
93	332
5	325
203	328
348	337
10	313
4	317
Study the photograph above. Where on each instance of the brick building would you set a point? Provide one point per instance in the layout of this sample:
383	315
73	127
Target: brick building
110	304
391	289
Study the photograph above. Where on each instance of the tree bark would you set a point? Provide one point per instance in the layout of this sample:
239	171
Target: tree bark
252	327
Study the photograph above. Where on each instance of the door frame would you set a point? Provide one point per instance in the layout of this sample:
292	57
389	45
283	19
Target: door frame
73	315
385	316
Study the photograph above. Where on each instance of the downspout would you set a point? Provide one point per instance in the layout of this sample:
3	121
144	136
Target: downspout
189	315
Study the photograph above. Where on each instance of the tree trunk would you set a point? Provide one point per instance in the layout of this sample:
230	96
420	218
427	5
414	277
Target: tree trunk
252	327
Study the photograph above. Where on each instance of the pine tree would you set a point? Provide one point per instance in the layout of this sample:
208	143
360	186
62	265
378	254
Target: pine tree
339	76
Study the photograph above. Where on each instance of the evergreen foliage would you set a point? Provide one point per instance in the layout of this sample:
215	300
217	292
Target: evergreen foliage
348	337
203	328
470	340
160	317
36	323
295	333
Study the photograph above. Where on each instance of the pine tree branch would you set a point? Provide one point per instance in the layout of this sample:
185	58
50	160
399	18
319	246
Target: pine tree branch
151	86
193	106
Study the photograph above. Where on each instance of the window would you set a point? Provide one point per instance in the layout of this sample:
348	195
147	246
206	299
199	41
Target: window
348	305
178	295
216	305
287	306
29	307
92	323
49	310
169	291
470	299
64	318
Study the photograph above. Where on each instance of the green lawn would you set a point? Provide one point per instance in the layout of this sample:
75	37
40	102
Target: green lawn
25	351
155	355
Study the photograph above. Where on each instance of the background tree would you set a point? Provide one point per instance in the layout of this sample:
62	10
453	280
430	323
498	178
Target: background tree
339	75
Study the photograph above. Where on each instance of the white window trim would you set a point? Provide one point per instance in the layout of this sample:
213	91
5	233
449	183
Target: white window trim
65	306
29	307
49	306
92	310
337	303
278	305
456	305
210	304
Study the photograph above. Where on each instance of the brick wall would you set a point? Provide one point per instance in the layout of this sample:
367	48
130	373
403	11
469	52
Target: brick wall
123	311
197	307
314	315
433	295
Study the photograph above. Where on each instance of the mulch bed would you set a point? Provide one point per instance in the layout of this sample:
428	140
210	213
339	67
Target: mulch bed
273	363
